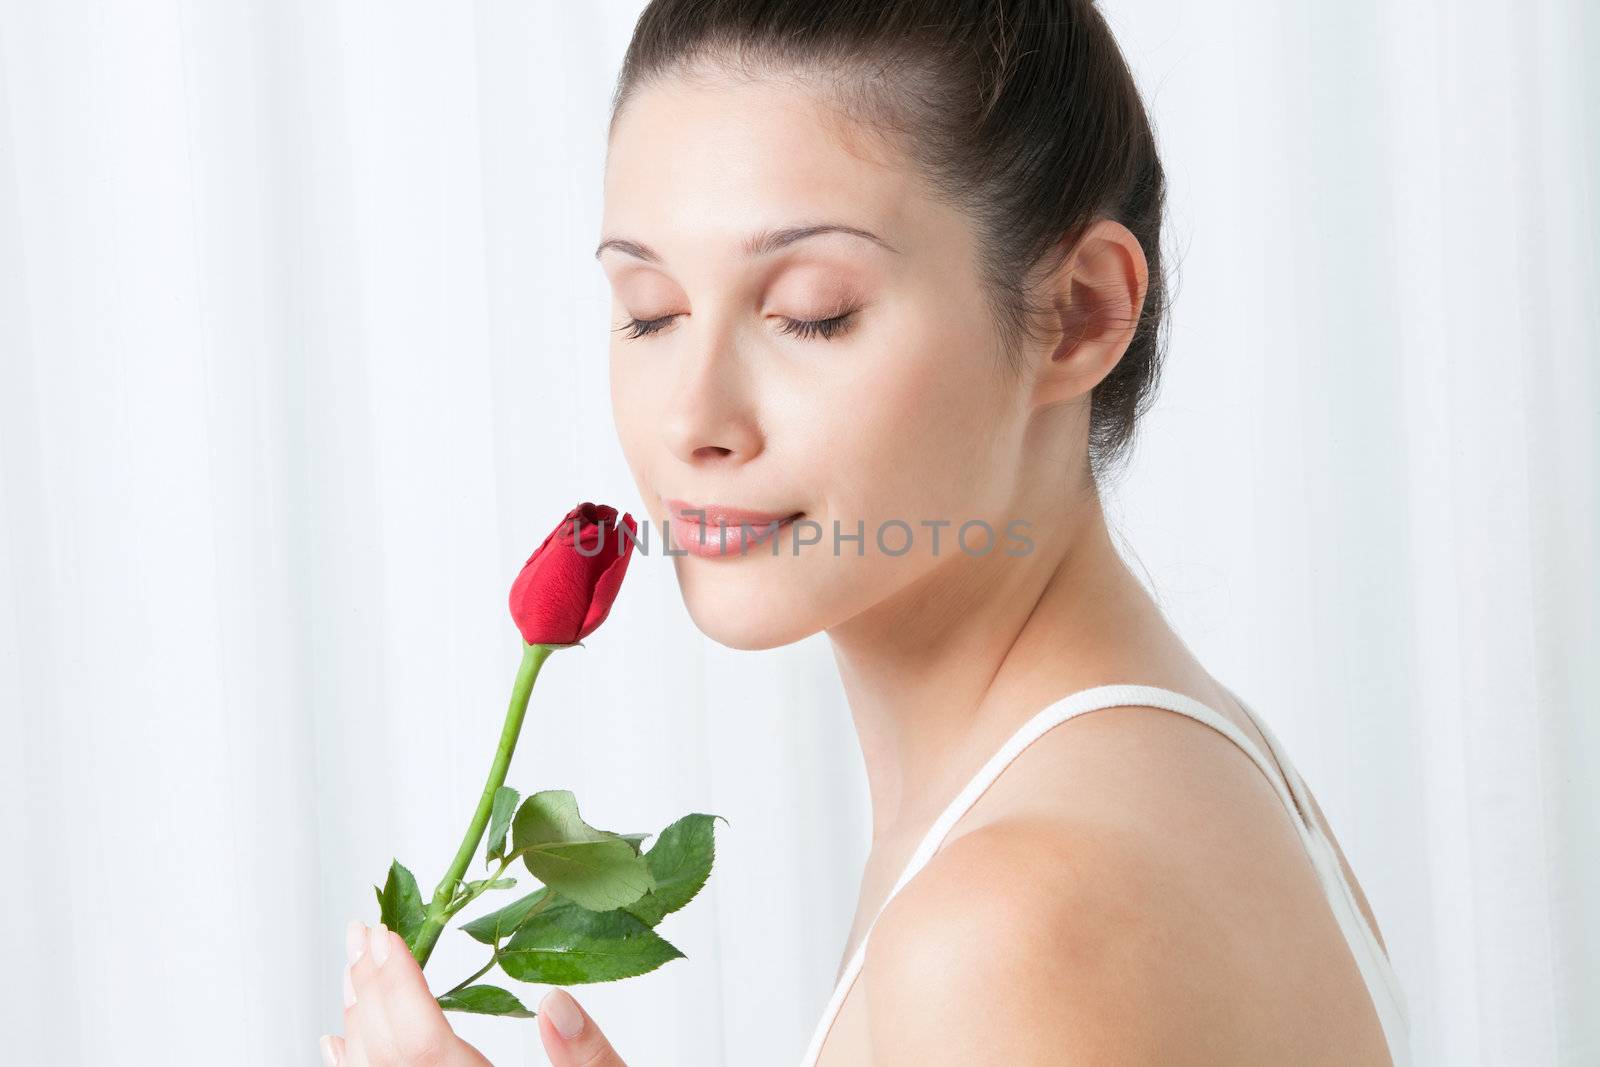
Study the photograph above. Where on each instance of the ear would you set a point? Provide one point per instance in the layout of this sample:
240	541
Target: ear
1097	295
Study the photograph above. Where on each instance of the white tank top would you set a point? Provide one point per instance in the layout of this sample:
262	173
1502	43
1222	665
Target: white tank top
1382	982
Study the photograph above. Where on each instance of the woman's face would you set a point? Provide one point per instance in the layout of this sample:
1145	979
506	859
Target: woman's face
895	408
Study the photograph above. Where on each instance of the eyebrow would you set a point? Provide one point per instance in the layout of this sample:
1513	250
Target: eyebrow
759	244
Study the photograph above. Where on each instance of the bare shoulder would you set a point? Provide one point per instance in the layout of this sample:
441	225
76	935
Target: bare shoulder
1143	897
1024	944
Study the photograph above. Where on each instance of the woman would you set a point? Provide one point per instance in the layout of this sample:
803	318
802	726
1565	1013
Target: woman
886	271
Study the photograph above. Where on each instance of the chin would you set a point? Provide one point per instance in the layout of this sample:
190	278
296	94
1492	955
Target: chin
754	638
744	611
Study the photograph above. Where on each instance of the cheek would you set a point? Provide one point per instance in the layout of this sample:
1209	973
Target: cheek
922	427
633	414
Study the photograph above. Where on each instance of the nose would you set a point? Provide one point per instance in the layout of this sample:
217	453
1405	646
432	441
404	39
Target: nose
710	417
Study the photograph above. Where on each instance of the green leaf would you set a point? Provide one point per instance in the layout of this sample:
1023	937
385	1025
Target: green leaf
635	840
485	1000
505	804
400	905
498	925
680	862
572	945
596	869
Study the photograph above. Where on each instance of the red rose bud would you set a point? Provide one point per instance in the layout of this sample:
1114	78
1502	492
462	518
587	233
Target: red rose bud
564	591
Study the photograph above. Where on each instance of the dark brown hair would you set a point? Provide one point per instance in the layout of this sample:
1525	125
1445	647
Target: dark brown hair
1022	113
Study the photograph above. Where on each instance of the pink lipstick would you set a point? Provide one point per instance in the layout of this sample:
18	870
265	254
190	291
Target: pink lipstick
716	531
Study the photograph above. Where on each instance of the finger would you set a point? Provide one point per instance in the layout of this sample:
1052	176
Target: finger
351	1048
418	1030
366	1024
354	1051
355	940
570	1036
332	1047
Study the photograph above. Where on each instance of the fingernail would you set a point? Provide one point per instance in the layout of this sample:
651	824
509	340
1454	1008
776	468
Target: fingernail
355	940
380	944
329	1057
564	1013
349	990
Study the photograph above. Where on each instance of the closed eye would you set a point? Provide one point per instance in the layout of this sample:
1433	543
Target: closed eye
827	329
645	327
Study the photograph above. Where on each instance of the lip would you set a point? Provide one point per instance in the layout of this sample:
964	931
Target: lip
716	531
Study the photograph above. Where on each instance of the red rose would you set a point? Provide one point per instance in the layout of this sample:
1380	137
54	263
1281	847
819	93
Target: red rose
565	590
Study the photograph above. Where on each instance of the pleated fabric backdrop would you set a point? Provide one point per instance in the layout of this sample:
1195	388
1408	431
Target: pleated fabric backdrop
302	351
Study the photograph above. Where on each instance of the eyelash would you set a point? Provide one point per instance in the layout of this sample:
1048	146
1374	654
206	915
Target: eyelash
827	329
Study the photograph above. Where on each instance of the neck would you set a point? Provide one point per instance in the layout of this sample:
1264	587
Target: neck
938	675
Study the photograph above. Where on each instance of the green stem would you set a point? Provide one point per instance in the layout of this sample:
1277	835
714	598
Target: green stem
482	889
439	911
459	986
494	956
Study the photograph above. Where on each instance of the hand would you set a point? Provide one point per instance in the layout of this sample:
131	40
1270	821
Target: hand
390	1016
571	1038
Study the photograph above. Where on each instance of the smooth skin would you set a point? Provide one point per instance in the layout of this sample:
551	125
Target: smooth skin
1131	889
391	1018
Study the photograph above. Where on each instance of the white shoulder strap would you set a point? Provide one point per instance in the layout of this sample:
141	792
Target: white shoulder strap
1059	711
1095	699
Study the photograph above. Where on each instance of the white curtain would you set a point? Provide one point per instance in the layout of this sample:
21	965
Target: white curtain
302	351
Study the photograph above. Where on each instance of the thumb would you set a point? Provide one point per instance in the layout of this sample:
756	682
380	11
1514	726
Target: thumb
571	1038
